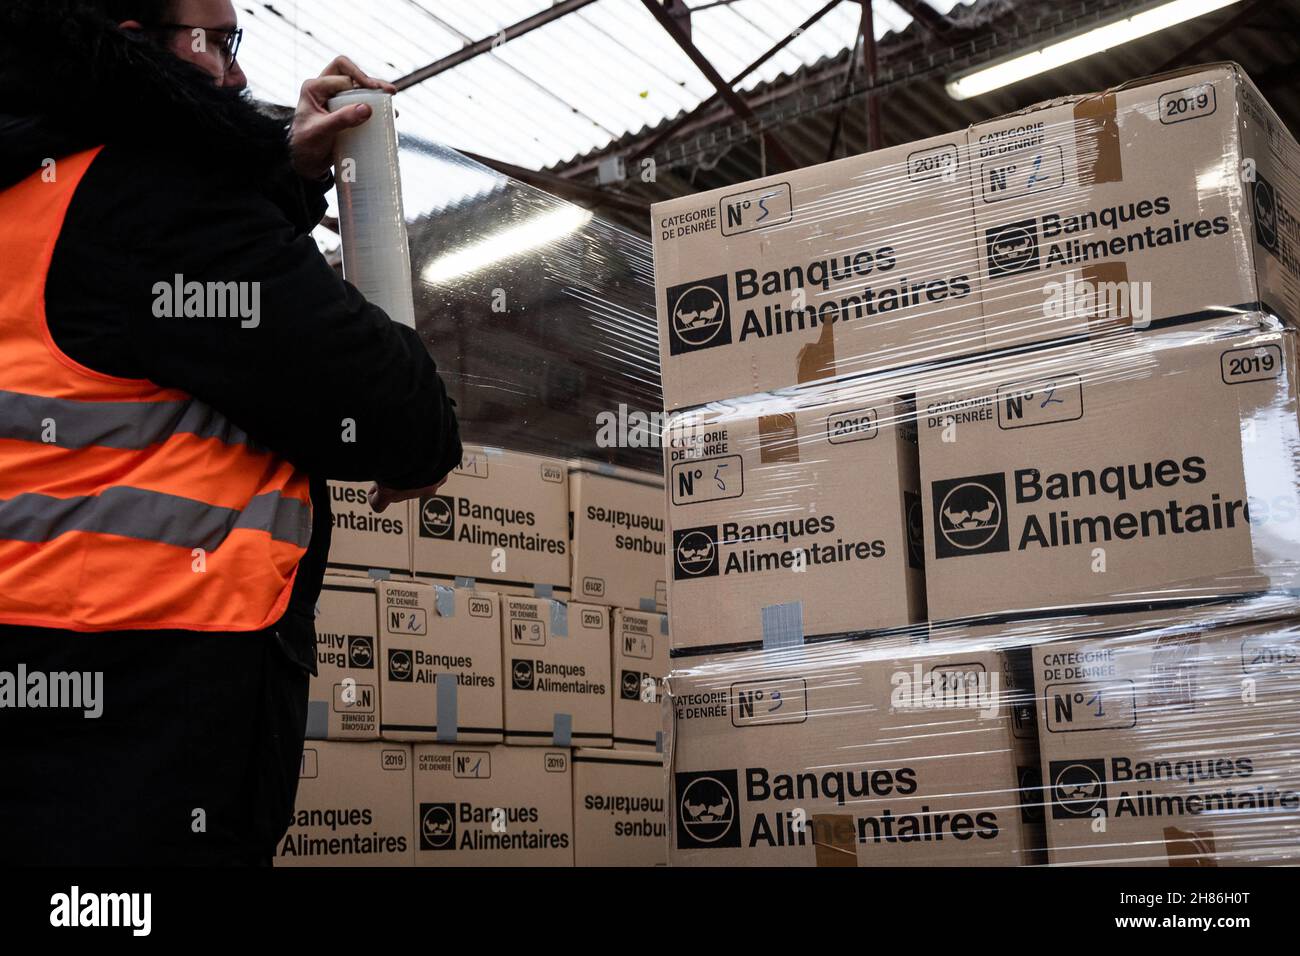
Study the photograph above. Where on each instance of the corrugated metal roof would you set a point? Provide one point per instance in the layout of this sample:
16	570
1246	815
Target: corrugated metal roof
802	108
598	81
560	91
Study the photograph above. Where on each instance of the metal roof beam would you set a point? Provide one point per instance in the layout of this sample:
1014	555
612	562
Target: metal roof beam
471	50
668	130
867	28
669	21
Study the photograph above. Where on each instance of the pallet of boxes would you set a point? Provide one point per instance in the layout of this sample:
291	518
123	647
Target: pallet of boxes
488	669
982	494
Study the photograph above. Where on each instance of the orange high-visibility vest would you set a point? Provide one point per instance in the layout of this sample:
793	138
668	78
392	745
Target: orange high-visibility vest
124	505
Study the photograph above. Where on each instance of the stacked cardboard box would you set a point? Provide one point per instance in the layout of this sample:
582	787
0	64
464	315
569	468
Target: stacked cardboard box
619	816
1172	746
799	513
639	667
1158	471
364	542
354	806
501	518
451	635
343	702
493	806
1072	331
616	523
847	754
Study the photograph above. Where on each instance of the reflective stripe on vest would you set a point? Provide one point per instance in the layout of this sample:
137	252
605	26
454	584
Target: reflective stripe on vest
133	425
124	505
150	516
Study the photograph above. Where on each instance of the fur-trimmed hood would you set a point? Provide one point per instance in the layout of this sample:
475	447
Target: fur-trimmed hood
70	80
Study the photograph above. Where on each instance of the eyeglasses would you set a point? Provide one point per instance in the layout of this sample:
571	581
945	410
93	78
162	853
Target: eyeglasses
230	39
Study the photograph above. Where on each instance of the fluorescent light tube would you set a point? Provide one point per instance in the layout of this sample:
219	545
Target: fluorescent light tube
1067	50
506	244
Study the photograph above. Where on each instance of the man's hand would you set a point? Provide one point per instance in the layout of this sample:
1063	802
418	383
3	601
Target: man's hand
314	128
381	497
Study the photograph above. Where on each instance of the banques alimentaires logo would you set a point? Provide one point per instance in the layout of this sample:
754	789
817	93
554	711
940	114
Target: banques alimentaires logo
1012	247
400	665
852	285
1264	201
699	315
695	552
970	515
708	814
438	517
437	826
1053	509
1078	788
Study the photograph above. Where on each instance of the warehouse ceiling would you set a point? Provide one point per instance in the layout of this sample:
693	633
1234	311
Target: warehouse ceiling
805	109
555	93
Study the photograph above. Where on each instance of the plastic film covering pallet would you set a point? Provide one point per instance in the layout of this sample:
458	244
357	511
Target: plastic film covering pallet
982	494
540	314
482	678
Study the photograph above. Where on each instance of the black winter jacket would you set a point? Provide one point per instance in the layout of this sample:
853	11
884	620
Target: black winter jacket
195	180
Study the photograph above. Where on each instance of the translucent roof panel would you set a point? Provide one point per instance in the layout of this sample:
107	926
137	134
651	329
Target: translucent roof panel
557	92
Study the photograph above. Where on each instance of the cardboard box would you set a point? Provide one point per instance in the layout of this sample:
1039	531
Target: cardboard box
616	521
556	658
440	648
852	266
866	753
1158	471
492	806
353	808
619	815
640	666
343	701
1183	187
1174	747
793	516
502	518
364	540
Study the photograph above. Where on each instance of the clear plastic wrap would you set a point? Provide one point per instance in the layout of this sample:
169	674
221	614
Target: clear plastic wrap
983	497
979	524
490	655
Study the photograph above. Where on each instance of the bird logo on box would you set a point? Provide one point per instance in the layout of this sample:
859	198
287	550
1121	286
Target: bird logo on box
437	826
699	315
707	810
970	515
695	552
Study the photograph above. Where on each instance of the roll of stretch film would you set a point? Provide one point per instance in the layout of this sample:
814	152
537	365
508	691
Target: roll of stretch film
376	257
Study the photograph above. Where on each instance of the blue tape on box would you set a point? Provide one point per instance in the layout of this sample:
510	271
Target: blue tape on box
605	468
468	583
659	741
559	619
448	719
663	625
445	600
544	591
562	730
782	625
318	719
379	574
646	604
